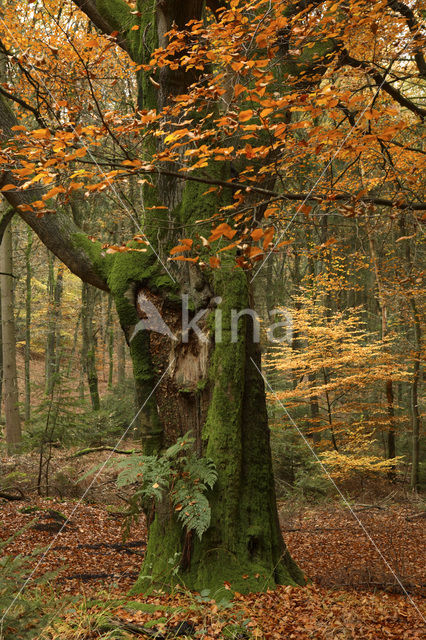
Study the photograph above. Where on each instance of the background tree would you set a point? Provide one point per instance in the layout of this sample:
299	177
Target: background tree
10	381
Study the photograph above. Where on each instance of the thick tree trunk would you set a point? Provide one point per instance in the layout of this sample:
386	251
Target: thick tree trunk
11	399
214	390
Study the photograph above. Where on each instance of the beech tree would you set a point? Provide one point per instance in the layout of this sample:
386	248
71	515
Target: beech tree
263	72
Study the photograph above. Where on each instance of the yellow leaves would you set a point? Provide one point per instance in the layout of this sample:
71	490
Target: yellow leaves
237	66
179	248
183	259
222	230
79	153
228	247
279	130
75	185
53	192
305	209
135	27
210	190
185	245
256	234
334	7
270	211
254	252
267	239
239	89
8	187
41	134
198	165
214	262
246	115
112	248
176	135
92	43
266	112
355	459
132	163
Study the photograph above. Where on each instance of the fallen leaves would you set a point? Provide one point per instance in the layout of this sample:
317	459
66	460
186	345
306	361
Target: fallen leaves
327	542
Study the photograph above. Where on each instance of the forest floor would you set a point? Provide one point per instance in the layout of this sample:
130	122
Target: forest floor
366	570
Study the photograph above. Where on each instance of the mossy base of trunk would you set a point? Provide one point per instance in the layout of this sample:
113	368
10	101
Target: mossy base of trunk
220	571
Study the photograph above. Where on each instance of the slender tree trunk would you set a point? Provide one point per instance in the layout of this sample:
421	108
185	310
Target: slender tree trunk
415	413
53	353
89	343
11	398
312	377
28	324
1	359
391	445
110	343
414	400
50	334
314	406
121	358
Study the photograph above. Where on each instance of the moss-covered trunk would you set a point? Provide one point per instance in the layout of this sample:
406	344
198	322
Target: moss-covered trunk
214	390
243	545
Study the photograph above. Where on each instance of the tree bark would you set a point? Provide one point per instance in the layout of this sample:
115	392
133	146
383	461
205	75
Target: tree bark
28	276
417	327
10	382
391	444
88	347
53	339
121	358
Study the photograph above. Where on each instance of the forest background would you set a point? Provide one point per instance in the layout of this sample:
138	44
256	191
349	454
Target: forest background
325	214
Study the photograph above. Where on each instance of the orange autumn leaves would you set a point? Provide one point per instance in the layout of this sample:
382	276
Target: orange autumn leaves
272	96
250	246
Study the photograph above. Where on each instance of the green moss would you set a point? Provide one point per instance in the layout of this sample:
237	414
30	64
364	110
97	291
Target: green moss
162	555
118	15
101	261
195	205
243	545
148	41
141	268
128	270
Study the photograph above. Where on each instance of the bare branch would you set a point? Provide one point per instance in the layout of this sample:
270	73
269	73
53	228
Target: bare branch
379	79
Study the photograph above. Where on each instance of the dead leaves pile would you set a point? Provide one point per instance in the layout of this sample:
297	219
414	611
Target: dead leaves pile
353	594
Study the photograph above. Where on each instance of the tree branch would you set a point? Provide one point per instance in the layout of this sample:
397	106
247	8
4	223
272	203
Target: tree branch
7	217
108	17
379	79
287	195
25	106
414	27
57	231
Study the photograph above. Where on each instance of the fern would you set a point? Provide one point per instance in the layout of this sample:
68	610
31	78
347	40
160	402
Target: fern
180	473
